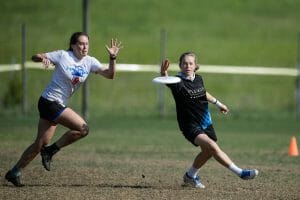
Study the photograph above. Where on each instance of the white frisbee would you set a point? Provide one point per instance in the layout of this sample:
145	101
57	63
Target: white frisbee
166	79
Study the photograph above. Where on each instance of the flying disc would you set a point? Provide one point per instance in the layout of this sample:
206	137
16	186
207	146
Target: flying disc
166	79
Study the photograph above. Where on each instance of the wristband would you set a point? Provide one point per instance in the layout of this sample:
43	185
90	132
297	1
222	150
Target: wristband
215	101
218	104
113	57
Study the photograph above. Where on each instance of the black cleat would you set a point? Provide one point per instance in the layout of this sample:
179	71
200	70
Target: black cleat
46	159
10	177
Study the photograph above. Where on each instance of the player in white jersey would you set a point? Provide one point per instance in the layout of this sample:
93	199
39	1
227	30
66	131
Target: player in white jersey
72	67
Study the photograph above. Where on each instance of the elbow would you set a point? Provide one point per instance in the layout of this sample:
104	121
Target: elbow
111	76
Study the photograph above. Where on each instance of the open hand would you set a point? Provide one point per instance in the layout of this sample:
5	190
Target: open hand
114	48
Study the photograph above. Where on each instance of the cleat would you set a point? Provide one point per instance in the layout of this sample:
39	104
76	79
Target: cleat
46	159
194	182
249	174
10	177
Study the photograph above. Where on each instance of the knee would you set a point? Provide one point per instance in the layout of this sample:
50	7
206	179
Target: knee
84	131
213	148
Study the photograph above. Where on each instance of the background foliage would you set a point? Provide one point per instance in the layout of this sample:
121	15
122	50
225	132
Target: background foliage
233	32
132	153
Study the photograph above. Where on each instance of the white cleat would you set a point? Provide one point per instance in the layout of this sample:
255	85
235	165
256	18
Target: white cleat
193	182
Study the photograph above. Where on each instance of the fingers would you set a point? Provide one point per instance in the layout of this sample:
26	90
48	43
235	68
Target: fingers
115	43
164	67
225	110
166	64
114	48
46	62
163	64
119	45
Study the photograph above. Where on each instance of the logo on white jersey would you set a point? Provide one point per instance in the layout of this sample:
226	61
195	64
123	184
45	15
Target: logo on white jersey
78	74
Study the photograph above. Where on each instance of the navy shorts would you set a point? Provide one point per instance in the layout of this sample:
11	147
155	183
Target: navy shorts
50	110
192	134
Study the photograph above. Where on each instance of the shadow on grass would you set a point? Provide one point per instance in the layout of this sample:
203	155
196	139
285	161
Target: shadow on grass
81	185
118	186
125	186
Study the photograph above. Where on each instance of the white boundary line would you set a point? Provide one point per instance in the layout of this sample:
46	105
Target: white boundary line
203	69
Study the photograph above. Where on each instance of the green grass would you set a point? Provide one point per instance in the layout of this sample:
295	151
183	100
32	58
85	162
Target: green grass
262	117
255	32
135	94
128	141
127	137
121	150
162	135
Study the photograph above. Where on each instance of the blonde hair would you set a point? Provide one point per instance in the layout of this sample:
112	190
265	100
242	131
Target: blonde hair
188	54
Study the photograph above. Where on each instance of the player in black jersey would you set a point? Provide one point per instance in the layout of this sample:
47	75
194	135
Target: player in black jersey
194	119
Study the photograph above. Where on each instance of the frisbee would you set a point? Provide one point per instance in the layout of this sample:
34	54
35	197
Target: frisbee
166	79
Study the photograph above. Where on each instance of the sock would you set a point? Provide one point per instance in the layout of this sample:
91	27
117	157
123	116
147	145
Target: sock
192	172
16	171
235	169
52	149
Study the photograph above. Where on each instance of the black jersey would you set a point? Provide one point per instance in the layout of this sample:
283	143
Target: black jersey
191	104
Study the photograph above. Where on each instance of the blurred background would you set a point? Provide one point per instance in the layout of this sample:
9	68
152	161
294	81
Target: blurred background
233	32
128	128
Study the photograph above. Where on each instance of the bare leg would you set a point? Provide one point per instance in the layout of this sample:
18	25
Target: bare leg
46	131
211	148
201	158
78	127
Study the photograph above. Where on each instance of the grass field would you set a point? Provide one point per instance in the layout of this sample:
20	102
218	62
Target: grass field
131	153
145	157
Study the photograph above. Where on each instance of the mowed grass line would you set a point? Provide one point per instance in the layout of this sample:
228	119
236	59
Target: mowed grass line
134	158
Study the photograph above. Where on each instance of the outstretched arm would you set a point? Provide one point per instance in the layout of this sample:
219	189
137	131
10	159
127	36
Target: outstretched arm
113	51
223	108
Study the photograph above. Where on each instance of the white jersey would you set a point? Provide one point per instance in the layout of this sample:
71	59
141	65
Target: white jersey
68	75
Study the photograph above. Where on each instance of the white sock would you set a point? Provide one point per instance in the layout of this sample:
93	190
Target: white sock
192	172
235	169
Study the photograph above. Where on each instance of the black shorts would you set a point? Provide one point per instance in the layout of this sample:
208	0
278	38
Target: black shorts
192	134
49	110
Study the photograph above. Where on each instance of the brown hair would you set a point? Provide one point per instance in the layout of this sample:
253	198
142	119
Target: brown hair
74	39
